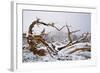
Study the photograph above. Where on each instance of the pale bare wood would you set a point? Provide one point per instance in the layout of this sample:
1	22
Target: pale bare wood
77	49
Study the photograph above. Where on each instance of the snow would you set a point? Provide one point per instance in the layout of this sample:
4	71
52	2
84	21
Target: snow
58	39
62	55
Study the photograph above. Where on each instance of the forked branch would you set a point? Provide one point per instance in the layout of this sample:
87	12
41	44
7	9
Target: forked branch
83	37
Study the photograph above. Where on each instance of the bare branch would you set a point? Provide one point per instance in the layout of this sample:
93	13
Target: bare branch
43	32
32	25
75	31
69	38
79	49
59	29
84	36
74	42
38	38
69	34
53	46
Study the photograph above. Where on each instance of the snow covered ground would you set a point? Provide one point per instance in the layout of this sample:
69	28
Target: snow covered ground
59	39
62	54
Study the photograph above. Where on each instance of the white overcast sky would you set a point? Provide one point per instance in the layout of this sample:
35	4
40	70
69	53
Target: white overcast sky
78	21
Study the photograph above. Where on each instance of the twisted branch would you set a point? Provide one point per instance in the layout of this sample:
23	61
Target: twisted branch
33	41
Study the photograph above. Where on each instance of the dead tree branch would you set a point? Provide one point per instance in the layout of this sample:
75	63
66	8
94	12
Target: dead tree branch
84	36
34	40
69	38
75	31
79	49
59	29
